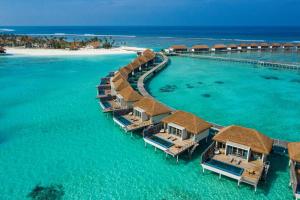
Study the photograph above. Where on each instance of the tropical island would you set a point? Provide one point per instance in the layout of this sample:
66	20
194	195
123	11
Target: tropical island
53	45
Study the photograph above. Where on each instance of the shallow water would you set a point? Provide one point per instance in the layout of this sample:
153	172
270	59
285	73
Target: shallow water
53	132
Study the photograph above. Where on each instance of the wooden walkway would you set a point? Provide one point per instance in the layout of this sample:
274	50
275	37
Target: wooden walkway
248	61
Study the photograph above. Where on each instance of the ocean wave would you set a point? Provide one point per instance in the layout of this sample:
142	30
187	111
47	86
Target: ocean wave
79	35
6	30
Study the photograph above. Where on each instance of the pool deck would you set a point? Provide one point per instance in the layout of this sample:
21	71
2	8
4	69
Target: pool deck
179	146
136	123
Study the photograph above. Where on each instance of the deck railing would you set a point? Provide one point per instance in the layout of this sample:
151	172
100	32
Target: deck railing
151	130
293	177
208	153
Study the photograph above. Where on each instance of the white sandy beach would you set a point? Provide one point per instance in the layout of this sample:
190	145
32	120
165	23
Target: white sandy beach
65	52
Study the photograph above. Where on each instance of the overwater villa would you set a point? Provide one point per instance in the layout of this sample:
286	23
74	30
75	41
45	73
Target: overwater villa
219	48
288	46
118	85
2	50
145	112
124	99
239	153
243	46
264	46
253	46
232	47
275	46
178	49
294	154
200	48
177	133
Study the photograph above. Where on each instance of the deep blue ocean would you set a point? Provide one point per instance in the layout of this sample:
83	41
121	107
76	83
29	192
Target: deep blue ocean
52	130
164	36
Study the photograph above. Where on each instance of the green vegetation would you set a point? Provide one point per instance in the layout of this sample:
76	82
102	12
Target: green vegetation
11	40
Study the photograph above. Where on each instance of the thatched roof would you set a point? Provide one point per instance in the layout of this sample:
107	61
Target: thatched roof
129	94
253	45
148	54
121	84
200	46
219	46
136	64
125	71
288	45
243	45
276	45
142	59
298	45
118	76
152	107
245	136
294	151
264	44
190	122
179	47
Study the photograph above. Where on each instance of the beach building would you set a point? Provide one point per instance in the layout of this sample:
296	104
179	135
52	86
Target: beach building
2	50
200	48
177	133
145	112
294	154
298	46
219	48
232	47
178	49
239	153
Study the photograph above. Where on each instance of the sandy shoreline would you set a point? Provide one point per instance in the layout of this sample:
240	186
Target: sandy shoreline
64	52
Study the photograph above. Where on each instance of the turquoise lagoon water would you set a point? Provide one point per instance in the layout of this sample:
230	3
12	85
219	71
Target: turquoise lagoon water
233	93
53	132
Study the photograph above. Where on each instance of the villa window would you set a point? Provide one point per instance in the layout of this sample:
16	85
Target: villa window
237	152
175	131
137	114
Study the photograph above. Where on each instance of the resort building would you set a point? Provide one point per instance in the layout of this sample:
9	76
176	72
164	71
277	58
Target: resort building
200	48
288	46
263	46
118	85
232	47
294	154
275	46
243	47
178	49
123	100
177	133
239	153
145	112
2	50
253	46
298	46
219	48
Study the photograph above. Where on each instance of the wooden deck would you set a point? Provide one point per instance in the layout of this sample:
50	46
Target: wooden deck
136	123
255	166
179	146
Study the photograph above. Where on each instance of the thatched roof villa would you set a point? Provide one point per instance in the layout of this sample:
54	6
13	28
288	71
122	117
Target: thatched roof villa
239	153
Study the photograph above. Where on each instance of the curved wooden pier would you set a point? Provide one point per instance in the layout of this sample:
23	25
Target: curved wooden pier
280	145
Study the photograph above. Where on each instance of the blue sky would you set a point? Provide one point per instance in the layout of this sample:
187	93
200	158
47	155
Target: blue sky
150	12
